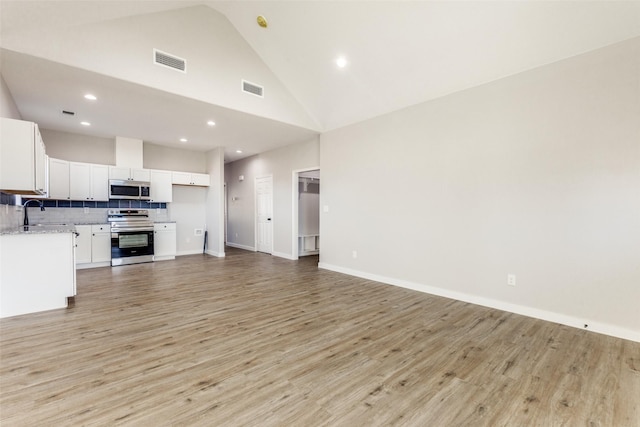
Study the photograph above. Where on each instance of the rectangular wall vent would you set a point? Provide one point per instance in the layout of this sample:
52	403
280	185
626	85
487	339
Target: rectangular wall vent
167	60
252	88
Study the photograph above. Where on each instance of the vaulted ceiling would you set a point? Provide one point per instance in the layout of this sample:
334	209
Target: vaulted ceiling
398	53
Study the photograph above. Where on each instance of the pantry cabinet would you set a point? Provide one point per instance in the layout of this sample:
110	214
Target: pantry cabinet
22	158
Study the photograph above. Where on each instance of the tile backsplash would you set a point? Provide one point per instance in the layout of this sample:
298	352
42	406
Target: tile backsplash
79	216
72	211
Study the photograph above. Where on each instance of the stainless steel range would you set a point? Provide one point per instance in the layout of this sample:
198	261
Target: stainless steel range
131	236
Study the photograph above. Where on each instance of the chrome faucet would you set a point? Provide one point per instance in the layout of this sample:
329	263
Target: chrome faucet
26	217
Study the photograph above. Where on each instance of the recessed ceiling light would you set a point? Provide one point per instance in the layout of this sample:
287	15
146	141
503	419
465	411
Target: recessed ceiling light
183	140
239	151
341	62
85	123
90	97
211	123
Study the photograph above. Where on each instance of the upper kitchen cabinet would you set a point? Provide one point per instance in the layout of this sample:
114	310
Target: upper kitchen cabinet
22	158
129	174
58	179
187	178
88	181
161	190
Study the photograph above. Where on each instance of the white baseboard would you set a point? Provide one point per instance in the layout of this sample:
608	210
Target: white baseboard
93	265
246	248
216	254
163	258
284	255
192	252
593	326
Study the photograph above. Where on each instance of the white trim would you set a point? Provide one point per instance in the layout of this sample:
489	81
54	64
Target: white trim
191	252
284	255
550	316
239	246
295	207
255	212
93	265
216	254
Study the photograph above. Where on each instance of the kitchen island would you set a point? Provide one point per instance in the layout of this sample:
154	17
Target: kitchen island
37	268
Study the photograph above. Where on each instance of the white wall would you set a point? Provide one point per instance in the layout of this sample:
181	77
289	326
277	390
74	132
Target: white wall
215	202
167	158
537	175
79	148
8	107
280	164
8	215
188	209
217	58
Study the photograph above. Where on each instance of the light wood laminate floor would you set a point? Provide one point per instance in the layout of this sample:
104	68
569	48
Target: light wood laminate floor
255	340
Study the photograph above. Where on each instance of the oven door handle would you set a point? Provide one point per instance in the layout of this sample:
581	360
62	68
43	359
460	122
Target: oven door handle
127	229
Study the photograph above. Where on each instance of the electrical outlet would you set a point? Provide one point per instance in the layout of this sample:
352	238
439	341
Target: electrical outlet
511	279
354	254
86	210
197	232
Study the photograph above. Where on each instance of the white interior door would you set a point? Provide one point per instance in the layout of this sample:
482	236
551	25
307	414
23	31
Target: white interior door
264	210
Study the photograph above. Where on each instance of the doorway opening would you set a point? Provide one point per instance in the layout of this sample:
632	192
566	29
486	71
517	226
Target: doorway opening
306	212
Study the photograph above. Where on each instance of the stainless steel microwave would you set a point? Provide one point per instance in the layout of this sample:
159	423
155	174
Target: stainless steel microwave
135	190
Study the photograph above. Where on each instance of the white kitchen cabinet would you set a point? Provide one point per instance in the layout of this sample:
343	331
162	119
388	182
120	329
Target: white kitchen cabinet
129	174
58	179
88	181
161	188
93	246
100	182
47	283
101	244
164	241
83	244
22	157
188	178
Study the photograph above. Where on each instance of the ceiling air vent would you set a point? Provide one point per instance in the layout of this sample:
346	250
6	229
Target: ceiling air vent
252	88
167	60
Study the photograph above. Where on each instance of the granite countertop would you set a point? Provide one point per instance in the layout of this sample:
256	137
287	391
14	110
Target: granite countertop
39	229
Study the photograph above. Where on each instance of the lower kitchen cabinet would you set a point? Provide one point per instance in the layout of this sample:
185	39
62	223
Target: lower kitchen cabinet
36	272
101	244
93	246
164	241
83	244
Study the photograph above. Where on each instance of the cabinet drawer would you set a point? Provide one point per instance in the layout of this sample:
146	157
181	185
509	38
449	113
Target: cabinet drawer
100	228
161	226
